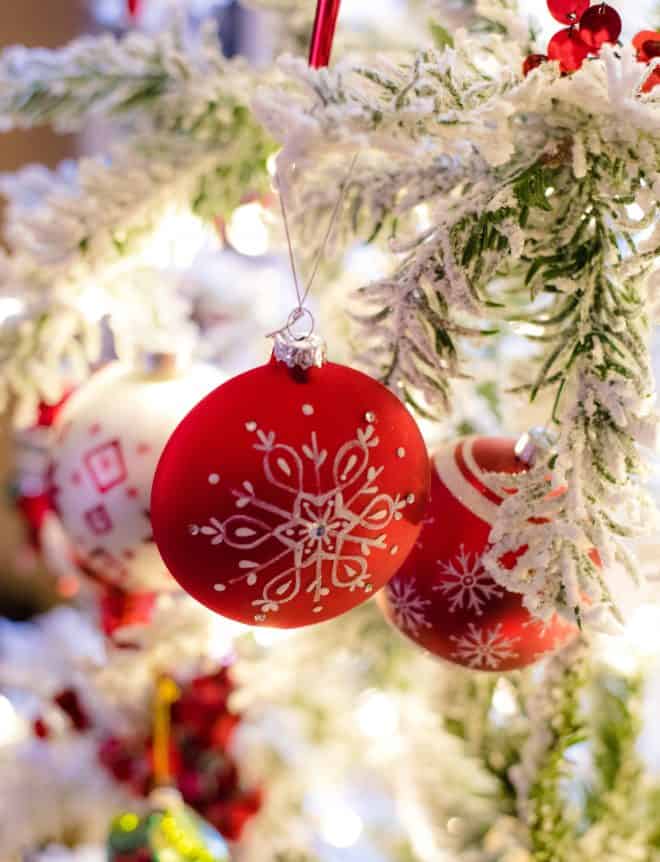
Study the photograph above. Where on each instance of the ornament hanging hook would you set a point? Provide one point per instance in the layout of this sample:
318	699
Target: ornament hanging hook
323	33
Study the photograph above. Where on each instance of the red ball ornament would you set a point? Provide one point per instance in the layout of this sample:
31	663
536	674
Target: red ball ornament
291	493
599	25
109	437
647	43
533	61
567	47
568	11
442	598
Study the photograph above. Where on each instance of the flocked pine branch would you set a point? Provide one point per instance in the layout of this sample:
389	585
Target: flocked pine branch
558	233
191	145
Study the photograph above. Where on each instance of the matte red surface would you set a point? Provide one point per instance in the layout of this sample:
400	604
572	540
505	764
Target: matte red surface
222	471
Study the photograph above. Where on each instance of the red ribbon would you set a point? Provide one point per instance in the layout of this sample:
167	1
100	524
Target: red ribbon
323	33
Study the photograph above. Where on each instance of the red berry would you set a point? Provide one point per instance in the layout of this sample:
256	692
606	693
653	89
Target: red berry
599	25
568	11
567	47
40	728
651	48
533	61
69	702
647	43
652	81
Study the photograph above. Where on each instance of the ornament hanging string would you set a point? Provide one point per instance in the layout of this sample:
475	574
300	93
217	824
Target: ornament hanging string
325	24
167	693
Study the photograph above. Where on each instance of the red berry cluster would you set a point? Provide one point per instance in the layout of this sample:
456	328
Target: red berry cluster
647	45
204	771
587	29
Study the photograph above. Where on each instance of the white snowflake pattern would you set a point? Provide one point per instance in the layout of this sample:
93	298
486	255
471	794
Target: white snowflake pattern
326	533
408	607
484	648
467	584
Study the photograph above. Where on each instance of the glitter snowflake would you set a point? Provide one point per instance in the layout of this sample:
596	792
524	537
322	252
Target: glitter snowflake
408	607
466	584
484	648
325	536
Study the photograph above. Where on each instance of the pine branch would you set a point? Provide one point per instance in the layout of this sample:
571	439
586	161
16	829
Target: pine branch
556	726
192	145
562	159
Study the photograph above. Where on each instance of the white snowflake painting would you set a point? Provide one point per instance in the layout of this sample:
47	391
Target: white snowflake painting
466	584
336	518
408	607
484	648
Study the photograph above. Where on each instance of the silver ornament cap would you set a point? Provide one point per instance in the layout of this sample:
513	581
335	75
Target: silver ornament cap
307	352
534	442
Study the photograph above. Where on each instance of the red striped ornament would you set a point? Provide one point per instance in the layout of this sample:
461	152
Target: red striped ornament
442	598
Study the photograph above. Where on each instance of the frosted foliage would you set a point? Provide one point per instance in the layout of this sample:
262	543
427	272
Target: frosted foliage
527	202
90	240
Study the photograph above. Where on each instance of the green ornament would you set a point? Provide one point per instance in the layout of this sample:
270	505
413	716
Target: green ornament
169	832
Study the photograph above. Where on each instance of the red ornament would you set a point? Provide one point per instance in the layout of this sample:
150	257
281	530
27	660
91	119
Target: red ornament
323	34
567	47
568	11
442	599
203	769
290	494
599	25
647	43
533	61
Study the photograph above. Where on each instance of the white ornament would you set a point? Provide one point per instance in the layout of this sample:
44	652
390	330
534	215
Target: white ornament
109	438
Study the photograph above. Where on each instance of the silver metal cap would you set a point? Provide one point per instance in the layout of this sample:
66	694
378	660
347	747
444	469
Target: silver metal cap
302	353
534	442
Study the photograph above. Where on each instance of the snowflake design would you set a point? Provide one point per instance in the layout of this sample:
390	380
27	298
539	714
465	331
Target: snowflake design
466	584
326	536
408	607
484	648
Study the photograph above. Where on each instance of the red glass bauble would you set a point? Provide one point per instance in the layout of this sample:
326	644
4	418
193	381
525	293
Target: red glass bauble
567	47
289	495
568	11
647	43
442	598
599	25
533	61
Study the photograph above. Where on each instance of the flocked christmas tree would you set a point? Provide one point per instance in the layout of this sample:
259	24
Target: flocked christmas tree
477	216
